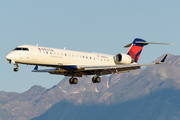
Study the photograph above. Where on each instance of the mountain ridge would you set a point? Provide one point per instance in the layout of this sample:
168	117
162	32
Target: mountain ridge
115	88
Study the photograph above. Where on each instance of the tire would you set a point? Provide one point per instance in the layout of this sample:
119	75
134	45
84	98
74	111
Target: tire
71	81
75	80
93	80
98	79
16	69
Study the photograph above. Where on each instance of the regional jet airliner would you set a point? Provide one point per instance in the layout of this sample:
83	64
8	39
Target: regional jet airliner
75	63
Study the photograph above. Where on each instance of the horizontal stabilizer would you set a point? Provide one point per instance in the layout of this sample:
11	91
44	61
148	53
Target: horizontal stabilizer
129	45
142	42
154	43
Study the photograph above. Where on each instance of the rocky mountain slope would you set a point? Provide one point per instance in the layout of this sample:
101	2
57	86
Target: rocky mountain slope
114	89
159	105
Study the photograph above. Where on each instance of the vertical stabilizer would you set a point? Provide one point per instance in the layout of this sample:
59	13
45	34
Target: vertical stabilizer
136	48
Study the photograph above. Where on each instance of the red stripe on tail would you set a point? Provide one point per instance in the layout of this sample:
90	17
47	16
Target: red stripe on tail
135	52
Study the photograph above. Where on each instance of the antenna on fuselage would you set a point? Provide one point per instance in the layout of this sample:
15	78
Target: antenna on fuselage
64	48
37	45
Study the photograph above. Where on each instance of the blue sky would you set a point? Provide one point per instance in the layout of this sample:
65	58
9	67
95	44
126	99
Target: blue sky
92	26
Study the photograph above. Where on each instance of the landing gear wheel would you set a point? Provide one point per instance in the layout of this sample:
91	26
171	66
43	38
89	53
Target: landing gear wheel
98	79
16	69
75	80
71	81
94	80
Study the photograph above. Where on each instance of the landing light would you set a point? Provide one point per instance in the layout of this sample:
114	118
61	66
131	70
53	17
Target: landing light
9	61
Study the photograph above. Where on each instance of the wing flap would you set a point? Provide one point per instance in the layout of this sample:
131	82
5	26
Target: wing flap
45	70
116	66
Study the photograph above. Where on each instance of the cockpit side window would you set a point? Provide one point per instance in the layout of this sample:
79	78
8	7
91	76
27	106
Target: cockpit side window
23	49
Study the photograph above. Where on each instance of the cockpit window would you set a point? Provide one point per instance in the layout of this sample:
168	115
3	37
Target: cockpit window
17	48
23	49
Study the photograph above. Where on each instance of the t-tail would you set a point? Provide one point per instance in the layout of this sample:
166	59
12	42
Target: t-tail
137	46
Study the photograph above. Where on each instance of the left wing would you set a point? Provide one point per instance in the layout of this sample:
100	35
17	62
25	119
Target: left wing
123	66
79	70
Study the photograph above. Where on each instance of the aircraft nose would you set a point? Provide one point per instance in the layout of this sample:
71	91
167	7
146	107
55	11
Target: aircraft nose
9	56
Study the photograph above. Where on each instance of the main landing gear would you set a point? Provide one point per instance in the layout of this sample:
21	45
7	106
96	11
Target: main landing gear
73	81
96	79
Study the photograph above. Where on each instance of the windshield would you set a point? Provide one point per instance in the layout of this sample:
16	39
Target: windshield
23	49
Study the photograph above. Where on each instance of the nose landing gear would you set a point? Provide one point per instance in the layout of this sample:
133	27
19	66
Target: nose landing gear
16	69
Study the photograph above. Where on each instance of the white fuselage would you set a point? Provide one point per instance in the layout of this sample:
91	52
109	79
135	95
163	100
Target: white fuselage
45	56
76	64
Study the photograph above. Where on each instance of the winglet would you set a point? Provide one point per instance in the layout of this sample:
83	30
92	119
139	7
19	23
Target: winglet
162	61
164	58
36	67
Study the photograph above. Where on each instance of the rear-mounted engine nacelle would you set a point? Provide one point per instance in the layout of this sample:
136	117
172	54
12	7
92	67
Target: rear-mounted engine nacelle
123	59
